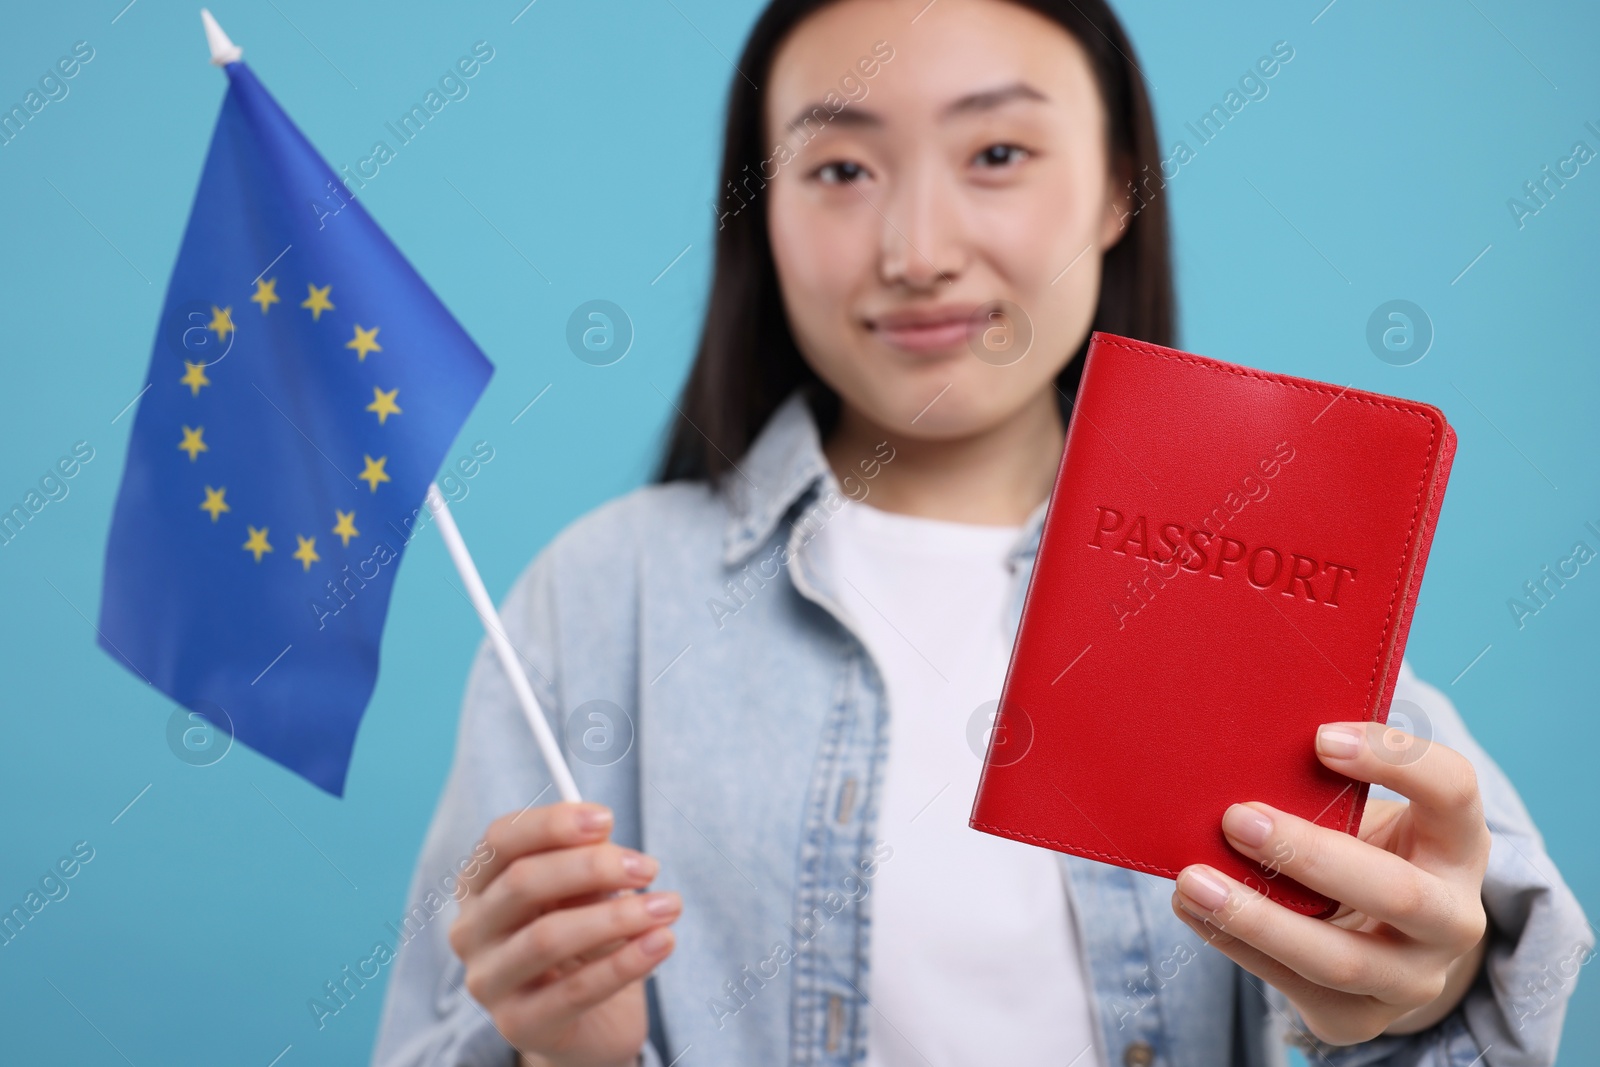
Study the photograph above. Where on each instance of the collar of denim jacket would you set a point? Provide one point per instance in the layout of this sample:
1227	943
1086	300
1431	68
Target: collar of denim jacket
785	466
781	466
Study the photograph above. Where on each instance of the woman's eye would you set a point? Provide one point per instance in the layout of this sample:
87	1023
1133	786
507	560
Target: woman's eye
838	172
998	155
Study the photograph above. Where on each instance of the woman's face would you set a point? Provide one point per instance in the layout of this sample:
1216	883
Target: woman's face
967	165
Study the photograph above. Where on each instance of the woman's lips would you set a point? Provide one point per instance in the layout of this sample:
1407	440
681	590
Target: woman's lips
931	338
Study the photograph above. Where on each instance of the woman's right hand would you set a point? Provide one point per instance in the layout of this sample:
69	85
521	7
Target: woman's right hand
556	957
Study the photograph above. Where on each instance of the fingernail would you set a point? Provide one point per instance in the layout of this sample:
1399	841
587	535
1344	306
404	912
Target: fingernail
659	904
1340	742
1203	889
656	941
1247	824
639	865
593	819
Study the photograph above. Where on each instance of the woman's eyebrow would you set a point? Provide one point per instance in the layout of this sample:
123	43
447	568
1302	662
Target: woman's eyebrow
983	100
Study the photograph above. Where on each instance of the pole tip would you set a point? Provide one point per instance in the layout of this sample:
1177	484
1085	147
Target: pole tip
223	51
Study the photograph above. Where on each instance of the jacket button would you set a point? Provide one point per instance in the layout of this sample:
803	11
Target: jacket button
1139	1054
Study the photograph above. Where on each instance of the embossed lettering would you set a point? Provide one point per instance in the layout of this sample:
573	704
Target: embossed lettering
1177	547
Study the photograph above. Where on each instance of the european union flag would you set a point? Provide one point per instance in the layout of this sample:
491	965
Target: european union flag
304	388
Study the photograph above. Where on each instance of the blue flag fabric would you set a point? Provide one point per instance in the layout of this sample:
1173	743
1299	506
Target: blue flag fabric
304	388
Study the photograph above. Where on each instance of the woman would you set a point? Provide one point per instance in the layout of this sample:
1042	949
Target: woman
769	690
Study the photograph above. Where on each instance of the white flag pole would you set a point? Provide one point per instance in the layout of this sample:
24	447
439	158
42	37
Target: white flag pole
223	52
502	645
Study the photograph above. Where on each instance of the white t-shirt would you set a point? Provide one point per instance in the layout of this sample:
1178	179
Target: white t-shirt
973	955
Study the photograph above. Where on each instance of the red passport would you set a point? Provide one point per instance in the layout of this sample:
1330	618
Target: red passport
1229	558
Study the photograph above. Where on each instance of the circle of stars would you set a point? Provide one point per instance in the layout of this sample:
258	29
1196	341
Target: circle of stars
384	403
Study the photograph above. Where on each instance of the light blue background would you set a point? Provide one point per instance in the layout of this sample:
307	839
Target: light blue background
219	903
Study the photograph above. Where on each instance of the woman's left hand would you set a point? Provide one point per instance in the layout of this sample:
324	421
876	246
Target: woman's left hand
1408	937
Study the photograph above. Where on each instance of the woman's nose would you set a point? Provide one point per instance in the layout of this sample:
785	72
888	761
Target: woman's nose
921	239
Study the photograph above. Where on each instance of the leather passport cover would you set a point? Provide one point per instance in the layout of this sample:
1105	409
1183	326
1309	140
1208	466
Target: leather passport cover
1229	558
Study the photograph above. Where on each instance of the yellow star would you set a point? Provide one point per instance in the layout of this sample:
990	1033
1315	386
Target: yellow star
221	322
214	502
383	403
266	293
194	376
374	472
318	301
191	442
307	552
346	526
258	542
364	341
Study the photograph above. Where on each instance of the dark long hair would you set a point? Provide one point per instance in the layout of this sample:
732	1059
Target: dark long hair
748	362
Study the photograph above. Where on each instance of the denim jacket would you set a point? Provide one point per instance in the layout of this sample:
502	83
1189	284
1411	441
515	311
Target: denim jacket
710	690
